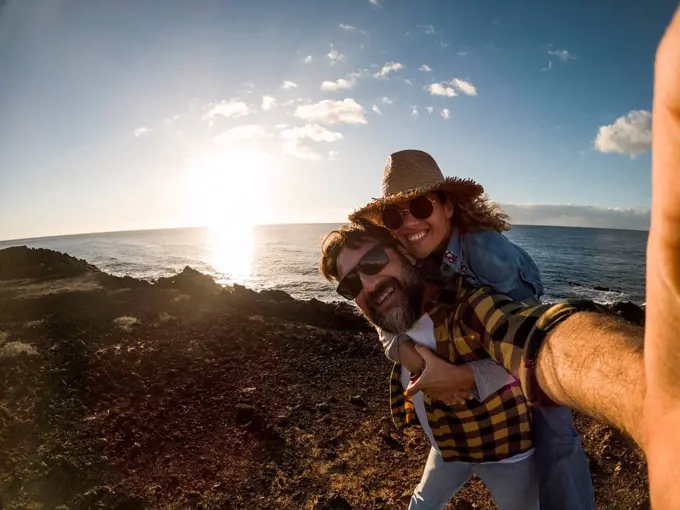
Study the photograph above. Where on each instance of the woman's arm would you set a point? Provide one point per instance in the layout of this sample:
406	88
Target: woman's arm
495	261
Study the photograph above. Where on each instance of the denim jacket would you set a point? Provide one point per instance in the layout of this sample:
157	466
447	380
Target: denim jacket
487	257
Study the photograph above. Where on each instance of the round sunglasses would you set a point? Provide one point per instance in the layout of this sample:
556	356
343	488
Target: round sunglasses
373	261
420	208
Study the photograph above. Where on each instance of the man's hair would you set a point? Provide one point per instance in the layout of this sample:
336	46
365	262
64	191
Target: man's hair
350	236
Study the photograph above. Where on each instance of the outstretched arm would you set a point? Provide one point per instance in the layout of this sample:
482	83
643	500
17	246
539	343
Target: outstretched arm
593	363
588	361
662	348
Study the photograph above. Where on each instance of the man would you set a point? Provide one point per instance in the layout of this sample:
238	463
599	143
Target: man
469	324
606	376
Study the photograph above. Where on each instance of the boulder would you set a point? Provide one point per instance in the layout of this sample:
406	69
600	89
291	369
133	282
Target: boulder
190	281
24	262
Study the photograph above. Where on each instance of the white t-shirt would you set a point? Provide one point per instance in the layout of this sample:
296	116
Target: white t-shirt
422	333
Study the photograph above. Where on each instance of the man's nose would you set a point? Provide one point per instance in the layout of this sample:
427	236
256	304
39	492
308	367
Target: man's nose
369	283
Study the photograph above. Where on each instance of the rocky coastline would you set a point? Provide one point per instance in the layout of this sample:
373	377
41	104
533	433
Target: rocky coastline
126	394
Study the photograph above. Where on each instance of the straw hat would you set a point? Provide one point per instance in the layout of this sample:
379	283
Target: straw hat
410	173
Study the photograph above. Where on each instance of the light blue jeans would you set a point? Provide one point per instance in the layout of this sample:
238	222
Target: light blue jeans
513	485
564	475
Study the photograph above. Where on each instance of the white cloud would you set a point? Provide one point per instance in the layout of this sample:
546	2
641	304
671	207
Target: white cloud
333	155
142	131
346	83
289	85
347	111
307	59
462	53
241	134
549	67
635	218
298	150
249	86
268	102
464	86
291	102
312	132
429	29
293	140
386	100
446	113
171	120
414	112
441	89
374	2
388	68
335	56
408	82
425	68
630	134
376	109
443	44
351	28
228	108
563	55
429	109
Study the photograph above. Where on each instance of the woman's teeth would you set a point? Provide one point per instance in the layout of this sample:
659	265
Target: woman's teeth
416	237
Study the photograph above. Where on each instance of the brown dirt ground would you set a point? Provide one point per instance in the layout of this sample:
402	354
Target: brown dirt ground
206	404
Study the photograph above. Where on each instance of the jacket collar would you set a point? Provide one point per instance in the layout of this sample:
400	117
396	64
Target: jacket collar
453	255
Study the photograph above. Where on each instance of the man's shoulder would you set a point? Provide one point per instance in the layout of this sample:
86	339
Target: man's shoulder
456	293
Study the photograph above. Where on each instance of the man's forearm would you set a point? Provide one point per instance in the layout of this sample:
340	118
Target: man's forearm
593	363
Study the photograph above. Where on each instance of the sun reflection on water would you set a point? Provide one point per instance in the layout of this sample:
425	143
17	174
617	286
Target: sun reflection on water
231	252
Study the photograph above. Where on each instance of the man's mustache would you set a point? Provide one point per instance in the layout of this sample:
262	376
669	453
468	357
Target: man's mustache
373	296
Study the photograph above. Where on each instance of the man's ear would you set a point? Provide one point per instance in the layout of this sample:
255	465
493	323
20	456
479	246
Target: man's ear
406	254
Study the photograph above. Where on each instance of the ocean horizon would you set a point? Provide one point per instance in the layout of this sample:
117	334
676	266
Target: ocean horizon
607	264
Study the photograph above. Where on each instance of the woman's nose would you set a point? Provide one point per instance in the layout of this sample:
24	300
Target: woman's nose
408	219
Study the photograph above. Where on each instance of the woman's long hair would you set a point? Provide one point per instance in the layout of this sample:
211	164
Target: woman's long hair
471	215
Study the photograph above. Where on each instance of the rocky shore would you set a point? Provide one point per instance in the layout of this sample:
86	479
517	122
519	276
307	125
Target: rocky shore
125	394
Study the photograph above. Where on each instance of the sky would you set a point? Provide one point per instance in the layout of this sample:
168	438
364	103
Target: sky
166	113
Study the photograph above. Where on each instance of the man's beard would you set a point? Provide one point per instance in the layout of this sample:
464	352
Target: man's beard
401	317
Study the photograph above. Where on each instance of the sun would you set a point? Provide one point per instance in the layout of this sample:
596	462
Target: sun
224	190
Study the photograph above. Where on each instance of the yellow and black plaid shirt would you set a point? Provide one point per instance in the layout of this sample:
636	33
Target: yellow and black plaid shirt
473	324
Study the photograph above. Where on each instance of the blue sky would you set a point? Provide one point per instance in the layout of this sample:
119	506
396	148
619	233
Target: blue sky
161	113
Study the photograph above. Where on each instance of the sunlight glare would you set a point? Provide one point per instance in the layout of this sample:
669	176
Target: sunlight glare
226	189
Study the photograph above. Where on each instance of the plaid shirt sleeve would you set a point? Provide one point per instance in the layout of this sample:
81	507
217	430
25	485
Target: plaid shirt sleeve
513	332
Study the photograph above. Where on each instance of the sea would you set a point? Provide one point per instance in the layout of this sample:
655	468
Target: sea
607	265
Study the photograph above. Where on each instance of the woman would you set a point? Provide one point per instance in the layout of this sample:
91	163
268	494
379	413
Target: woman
452	228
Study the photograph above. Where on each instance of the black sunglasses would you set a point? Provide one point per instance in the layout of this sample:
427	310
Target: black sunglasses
374	261
420	208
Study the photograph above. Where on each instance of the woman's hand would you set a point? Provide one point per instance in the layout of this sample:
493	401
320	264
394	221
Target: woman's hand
441	380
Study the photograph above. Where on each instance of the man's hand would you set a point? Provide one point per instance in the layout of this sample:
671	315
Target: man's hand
662	342
441	380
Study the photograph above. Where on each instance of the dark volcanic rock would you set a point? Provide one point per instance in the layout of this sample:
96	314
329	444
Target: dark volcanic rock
593	287
122	282
190	281
357	401
332	502
24	262
275	295
629	311
338	316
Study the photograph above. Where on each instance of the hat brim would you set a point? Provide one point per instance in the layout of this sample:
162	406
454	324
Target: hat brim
462	188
